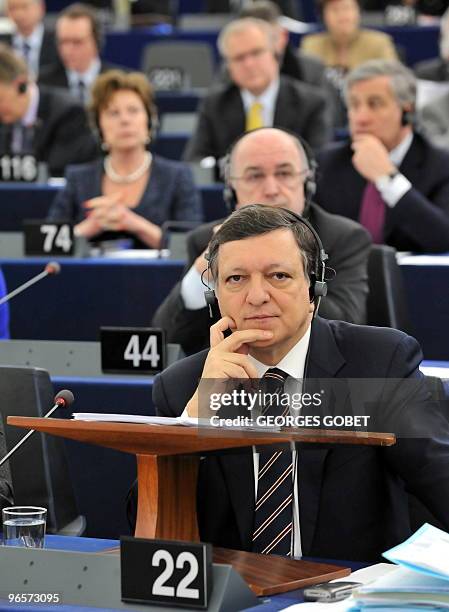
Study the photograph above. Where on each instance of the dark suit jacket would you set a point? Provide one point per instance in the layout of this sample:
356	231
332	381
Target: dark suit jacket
420	220
347	245
436	69
6	495
352	501
61	133
170	194
56	75
300	108
48	53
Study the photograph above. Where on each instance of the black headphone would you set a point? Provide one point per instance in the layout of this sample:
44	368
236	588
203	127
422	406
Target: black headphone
407	117
22	87
318	284
229	194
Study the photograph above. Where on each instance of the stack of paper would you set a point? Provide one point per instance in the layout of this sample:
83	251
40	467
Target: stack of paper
421	582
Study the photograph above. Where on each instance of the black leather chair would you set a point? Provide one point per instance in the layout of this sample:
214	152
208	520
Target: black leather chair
39	469
386	304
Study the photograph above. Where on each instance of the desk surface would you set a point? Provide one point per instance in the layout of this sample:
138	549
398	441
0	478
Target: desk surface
278	602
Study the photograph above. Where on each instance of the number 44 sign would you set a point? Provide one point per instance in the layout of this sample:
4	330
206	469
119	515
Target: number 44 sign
166	572
138	350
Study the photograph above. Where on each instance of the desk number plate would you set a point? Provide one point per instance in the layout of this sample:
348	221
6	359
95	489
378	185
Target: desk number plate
132	350
166	572
18	168
42	238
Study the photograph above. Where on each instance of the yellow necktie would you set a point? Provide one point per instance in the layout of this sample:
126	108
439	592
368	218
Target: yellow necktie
254	117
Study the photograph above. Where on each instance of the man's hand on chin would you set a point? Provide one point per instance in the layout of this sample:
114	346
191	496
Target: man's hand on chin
371	158
227	359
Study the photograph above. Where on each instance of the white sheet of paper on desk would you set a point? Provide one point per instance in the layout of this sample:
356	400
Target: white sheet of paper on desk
423	260
426	551
132	418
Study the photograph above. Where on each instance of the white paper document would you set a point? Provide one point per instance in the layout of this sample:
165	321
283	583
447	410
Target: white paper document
134	418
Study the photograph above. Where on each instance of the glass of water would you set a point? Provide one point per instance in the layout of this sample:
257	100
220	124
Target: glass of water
24	526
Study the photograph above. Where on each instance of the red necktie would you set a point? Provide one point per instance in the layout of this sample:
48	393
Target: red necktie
372	213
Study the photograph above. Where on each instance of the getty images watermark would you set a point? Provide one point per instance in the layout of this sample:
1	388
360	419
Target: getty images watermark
394	405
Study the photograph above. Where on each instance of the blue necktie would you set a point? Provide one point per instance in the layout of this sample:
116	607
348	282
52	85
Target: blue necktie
273	518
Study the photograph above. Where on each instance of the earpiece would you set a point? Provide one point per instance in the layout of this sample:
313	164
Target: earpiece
407	117
22	87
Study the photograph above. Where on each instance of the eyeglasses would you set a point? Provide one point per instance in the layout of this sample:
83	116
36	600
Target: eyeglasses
287	178
241	57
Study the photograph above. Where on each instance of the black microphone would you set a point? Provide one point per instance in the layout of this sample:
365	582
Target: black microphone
50	269
63	399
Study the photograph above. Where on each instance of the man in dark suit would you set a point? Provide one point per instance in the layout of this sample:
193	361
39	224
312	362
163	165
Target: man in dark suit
40	121
270	166
346	502
79	40
257	96
437	68
388	176
31	40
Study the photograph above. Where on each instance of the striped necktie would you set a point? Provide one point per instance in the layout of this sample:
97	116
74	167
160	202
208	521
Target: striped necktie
273	518
254	117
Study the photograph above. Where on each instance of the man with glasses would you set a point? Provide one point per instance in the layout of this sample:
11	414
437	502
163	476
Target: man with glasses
270	166
257	96
78	38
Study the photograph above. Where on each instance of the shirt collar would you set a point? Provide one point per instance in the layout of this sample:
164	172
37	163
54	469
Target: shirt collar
267	98
30	116
398	153
34	40
293	363
88	76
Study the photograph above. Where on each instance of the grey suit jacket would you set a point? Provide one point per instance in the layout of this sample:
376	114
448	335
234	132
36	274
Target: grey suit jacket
347	245
300	108
434	120
6	495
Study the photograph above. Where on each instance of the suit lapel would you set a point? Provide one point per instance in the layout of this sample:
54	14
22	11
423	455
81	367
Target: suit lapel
238	468
233	116
325	360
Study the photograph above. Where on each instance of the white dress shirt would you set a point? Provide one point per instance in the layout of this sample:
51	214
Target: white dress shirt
267	99
34	41
293	364
394	189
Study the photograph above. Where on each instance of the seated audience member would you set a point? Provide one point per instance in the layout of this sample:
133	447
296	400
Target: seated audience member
344	45
31	40
4	312
78	37
387	176
294	64
257	95
334	502
6	494
434	120
129	190
271	166
40	121
437	69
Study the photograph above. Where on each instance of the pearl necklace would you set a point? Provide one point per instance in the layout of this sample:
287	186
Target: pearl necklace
127	178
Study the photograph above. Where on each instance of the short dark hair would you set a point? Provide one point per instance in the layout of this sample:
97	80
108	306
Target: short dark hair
321	5
262	9
12	66
80	10
257	219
